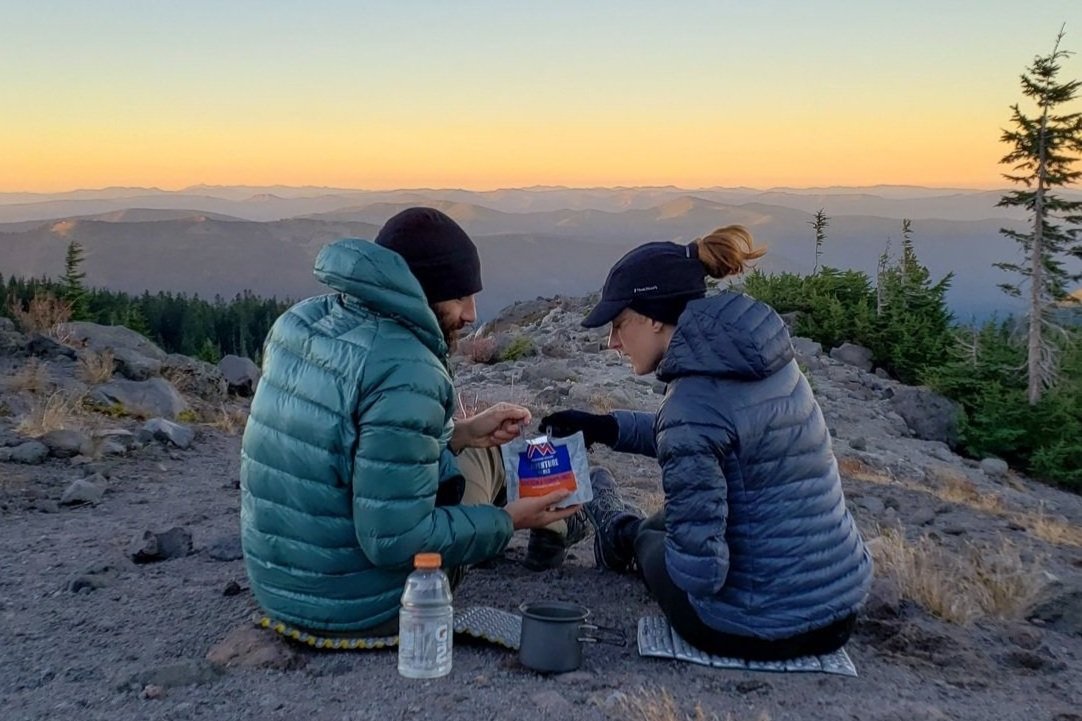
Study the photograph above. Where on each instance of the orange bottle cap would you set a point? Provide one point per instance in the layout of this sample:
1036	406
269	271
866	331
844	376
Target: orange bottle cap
427	560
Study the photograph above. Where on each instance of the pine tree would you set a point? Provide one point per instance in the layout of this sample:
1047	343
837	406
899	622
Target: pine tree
1043	151
881	270
913	324
72	291
819	223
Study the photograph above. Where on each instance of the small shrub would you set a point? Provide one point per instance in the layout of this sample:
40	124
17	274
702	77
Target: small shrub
478	350
43	314
519	348
188	416
112	410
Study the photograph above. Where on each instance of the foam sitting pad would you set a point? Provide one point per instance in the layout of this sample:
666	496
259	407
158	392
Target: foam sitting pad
481	622
658	639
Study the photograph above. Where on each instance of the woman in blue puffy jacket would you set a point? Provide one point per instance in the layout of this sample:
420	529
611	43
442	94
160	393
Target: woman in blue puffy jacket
755	554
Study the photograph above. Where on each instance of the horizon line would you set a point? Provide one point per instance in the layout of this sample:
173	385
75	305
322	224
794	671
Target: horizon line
496	189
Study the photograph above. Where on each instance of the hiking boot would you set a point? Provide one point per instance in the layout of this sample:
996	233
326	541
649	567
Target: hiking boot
608	512
547	549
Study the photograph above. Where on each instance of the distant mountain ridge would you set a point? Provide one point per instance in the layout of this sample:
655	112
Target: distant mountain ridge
279	202
540	241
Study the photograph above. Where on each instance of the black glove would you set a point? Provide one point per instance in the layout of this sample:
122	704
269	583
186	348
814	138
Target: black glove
450	491
595	428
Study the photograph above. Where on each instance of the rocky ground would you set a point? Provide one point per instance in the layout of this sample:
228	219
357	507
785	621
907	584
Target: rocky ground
124	596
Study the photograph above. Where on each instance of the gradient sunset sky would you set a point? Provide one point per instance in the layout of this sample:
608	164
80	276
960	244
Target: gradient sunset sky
498	94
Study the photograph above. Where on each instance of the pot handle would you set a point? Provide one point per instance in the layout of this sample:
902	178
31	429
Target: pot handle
615	636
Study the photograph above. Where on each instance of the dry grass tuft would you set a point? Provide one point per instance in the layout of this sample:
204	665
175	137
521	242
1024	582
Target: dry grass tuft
96	367
602	402
652	502
470	405
857	470
659	705
955	487
32	377
230	421
45	314
960	588
55	412
1052	530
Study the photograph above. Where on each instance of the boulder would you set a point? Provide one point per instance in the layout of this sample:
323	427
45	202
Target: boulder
134	365
195	377
30	453
854	355
520	313
44	347
241	374
806	347
930	416
168	432
81	492
119	437
154	397
790	319
149	546
11	341
66	443
115	338
995	467
1061	610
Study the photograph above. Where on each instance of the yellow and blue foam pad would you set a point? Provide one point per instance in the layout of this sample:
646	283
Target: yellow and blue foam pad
481	622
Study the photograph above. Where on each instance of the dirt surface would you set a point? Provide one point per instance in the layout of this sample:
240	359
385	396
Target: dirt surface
87	633
135	647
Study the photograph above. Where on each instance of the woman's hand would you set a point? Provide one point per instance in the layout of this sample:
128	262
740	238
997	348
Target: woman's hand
595	428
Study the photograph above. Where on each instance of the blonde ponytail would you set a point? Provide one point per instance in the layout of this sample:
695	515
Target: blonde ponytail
727	251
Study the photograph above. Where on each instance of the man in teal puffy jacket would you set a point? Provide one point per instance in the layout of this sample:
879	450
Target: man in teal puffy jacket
348	463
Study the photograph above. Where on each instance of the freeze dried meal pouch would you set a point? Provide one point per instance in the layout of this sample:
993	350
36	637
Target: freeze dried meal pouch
539	466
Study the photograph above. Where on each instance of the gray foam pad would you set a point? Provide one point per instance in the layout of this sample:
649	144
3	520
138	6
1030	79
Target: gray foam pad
658	639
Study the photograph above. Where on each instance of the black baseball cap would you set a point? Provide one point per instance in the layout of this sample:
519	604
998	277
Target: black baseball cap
652	272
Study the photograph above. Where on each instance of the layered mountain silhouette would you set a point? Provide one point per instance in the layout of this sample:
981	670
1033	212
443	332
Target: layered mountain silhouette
534	241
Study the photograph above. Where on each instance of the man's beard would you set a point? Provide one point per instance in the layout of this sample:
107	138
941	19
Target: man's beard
450	330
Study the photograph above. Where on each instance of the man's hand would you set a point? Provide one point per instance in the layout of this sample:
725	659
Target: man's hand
502	423
539	512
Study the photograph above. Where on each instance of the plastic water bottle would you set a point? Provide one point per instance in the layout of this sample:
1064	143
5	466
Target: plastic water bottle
425	622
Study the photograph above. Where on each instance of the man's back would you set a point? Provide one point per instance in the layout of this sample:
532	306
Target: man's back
342	453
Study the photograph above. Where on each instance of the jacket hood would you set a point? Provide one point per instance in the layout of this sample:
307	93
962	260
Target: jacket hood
380	280
729	335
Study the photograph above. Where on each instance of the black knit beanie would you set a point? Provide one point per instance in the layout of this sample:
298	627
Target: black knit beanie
438	252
